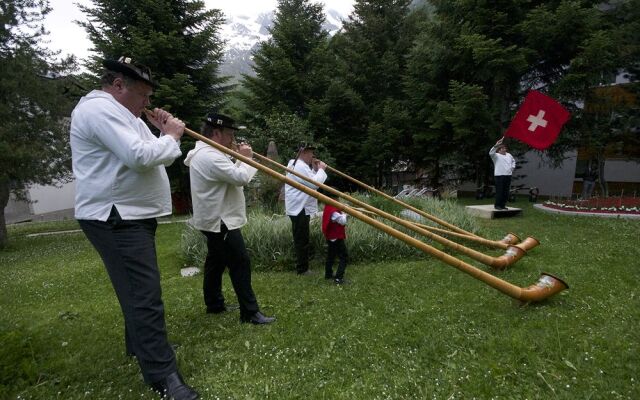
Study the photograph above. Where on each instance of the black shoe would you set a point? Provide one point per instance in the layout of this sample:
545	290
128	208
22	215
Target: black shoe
173	387
216	310
339	281
257	319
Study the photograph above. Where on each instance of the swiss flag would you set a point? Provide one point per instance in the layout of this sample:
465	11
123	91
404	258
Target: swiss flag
538	121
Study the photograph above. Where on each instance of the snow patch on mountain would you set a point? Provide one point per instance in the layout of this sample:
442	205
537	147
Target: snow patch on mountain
244	33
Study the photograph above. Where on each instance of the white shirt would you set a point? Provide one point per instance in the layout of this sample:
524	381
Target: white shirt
504	164
295	200
117	161
217	188
339	218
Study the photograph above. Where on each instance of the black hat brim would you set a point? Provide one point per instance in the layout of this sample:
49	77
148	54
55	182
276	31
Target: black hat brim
117	66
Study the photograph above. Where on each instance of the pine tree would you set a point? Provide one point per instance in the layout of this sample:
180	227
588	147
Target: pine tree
370	61
337	120
33	138
178	40
289	66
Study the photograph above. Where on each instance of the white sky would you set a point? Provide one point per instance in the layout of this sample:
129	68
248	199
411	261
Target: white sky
68	37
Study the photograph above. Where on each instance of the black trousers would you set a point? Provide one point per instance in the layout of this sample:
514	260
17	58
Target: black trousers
300	229
128	251
337	248
226	249
503	184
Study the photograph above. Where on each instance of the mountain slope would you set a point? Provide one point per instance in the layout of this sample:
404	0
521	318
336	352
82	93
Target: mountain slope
243	34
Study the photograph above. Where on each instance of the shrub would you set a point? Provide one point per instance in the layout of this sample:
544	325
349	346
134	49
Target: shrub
270	244
193	245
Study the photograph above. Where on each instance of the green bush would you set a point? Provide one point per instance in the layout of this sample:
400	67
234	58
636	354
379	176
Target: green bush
193	245
270	243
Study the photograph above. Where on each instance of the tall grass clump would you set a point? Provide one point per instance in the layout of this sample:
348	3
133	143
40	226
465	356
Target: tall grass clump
269	240
448	210
266	235
193	246
270	244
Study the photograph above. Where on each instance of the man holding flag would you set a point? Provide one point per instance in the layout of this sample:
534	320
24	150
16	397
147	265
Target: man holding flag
504	164
537	123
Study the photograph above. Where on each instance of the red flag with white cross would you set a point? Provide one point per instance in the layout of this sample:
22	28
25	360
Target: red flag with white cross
538	121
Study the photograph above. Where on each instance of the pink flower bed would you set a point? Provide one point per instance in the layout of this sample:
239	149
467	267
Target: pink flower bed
610	205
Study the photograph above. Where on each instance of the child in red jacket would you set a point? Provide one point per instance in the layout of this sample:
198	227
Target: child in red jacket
333	228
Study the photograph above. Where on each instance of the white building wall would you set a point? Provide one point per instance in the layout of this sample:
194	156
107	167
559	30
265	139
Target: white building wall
46	199
550	181
16	211
621	171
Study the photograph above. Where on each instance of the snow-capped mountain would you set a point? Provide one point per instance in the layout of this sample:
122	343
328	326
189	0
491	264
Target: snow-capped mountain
244	33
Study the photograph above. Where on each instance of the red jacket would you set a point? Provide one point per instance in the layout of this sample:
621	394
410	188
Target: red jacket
331	230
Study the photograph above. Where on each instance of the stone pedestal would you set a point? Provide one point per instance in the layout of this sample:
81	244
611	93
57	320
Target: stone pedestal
487	211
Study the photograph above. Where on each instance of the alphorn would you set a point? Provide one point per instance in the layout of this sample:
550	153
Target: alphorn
528	243
546	286
509	239
512	255
507	242
503	244
497	244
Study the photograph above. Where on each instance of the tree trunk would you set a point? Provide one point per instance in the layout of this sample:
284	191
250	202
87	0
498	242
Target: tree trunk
4	200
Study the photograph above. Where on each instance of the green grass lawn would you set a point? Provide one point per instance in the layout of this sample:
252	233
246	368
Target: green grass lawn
398	330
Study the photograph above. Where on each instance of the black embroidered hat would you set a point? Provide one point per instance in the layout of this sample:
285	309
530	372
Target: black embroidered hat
127	66
220	120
